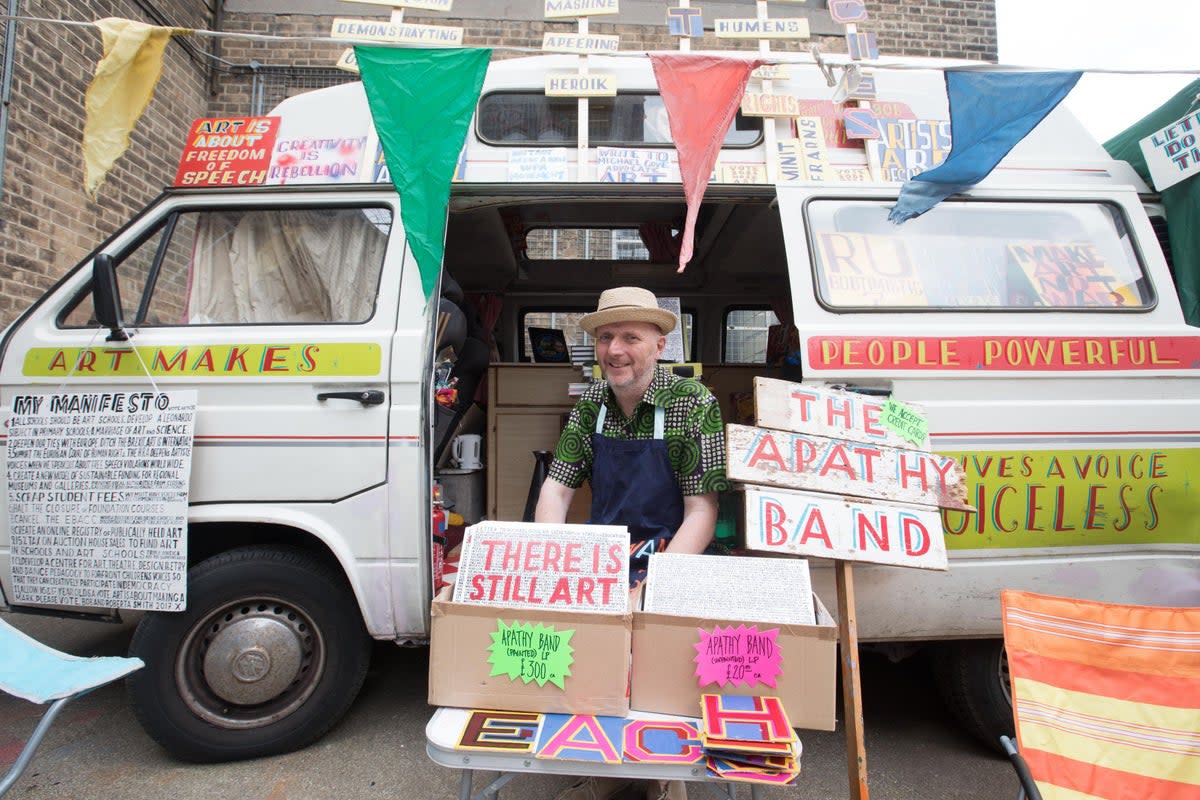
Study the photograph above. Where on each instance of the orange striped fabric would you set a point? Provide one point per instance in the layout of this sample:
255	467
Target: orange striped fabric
1106	697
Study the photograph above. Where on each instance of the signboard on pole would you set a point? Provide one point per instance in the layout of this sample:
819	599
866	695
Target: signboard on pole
1173	154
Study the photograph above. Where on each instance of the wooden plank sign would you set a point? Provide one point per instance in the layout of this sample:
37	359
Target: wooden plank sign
826	526
557	9
803	461
805	408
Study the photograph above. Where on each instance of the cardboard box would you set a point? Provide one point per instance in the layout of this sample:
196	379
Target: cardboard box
458	661
664	677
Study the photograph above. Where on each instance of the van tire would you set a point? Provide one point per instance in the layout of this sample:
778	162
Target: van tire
973	680
266	659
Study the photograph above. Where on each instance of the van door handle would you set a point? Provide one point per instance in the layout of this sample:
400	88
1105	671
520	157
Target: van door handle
370	397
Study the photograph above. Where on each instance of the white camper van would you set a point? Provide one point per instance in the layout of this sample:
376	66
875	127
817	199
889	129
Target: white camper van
1034	318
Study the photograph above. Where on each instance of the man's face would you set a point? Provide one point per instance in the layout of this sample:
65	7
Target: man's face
628	351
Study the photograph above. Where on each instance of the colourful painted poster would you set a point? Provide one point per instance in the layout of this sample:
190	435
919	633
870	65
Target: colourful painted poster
579	737
635	165
503	731
738	656
227	152
1067	275
907	147
865	269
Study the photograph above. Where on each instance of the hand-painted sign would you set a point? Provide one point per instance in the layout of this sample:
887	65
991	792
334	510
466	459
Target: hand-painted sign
424	5
848	11
504	731
527	565
685	22
367	30
862	46
810	133
741	173
575	737
593	84
317	160
772	72
839	466
578	43
227	152
531	652
786	28
843	528
831	115
555	9
1069	275
738	656
634	165
537	164
860	123
1004	353
758	104
205	361
868	269
906	422
1173	153
904	148
819	410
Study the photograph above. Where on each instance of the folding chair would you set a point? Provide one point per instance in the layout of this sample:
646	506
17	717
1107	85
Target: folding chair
1106	697
40	674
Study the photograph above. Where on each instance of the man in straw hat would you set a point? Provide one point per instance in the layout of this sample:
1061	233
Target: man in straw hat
653	446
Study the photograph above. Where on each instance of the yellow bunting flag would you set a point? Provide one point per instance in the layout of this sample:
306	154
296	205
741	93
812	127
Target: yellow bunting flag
122	88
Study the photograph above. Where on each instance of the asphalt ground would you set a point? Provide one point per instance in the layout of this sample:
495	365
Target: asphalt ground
97	751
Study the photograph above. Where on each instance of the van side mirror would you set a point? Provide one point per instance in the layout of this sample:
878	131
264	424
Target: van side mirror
106	297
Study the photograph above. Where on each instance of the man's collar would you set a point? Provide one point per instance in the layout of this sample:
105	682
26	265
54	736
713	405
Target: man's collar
653	395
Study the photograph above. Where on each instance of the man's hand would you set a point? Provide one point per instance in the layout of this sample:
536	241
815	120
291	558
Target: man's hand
699	524
553	502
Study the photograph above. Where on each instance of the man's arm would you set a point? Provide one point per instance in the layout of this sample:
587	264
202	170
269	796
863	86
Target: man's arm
699	524
554	500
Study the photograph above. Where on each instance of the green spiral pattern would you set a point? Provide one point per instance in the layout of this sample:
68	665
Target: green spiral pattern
684	454
688	387
714	480
570	446
711	422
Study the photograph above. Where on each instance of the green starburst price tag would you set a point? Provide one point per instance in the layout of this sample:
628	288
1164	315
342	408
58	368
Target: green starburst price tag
531	653
904	421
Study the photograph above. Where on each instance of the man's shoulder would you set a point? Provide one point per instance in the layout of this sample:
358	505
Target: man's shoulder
670	389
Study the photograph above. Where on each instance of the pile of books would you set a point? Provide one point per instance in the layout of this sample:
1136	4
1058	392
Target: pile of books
748	738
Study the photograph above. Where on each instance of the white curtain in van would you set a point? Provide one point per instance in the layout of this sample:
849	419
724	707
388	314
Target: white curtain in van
264	266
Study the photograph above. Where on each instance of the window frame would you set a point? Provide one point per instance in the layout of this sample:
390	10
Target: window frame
725	312
164	228
1118	213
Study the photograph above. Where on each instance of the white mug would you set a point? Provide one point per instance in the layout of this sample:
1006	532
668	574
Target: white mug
465	451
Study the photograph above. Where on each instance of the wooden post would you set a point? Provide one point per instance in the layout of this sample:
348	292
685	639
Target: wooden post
856	751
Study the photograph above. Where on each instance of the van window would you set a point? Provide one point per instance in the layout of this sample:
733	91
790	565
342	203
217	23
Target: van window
586	244
567	320
629	118
746	332
977	255
253	266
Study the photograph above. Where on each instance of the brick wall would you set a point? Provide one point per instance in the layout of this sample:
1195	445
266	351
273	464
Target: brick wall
46	222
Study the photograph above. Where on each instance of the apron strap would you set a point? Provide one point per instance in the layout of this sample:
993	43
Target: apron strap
660	417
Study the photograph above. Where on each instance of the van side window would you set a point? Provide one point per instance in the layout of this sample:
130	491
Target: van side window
977	255
253	266
745	340
567	320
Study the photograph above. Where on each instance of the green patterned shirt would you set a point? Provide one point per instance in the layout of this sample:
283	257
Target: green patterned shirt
693	430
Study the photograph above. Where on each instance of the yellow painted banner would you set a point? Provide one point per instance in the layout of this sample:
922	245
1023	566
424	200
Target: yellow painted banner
205	361
1075	498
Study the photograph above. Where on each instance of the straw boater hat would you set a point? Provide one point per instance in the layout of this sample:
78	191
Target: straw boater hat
628	304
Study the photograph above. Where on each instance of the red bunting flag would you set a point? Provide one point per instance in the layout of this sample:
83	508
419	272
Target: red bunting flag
702	94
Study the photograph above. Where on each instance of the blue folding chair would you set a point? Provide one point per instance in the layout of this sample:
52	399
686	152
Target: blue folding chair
40	674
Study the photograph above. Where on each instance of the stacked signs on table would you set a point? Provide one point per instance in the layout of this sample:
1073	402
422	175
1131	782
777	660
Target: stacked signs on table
748	738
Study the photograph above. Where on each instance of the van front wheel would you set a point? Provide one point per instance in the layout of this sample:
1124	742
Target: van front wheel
268	656
973	680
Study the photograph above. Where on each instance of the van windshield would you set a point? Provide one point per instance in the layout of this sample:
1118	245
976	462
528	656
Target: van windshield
972	254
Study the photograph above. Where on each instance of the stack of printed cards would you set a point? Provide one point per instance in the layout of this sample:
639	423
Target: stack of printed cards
748	738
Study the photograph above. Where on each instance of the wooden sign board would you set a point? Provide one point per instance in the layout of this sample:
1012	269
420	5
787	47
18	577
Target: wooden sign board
576	84
348	61
542	566
772	72
557	9
789	28
844	528
578	43
810	133
791	460
804	408
366	30
1171	153
424	5
741	173
758	104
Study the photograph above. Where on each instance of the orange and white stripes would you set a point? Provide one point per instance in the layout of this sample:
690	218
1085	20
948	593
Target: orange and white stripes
1107	697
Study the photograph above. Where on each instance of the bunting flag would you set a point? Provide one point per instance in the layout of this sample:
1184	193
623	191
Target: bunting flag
989	113
421	101
701	94
122	87
1106	697
1181	202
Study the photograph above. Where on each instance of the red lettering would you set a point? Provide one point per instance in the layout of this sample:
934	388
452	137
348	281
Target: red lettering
806	400
616	555
584	589
766	450
773	517
561	593
476	588
814	528
910	528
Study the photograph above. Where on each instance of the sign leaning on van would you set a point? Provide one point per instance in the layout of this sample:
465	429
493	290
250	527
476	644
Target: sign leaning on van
98	498
1173	153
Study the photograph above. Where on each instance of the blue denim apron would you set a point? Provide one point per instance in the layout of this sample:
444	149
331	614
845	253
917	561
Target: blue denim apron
633	485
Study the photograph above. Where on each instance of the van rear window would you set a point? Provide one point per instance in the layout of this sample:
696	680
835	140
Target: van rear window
976	255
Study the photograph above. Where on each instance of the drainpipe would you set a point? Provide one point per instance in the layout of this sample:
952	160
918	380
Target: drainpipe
10	49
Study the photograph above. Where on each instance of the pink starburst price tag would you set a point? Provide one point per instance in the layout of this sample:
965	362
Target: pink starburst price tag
741	656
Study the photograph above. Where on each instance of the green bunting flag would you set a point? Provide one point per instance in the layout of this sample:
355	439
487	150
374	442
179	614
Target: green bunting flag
421	101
